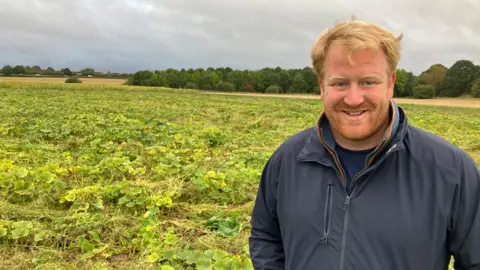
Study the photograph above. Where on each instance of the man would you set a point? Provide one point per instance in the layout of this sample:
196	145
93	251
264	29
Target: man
363	189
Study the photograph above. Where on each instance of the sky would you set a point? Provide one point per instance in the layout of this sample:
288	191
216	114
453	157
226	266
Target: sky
132	35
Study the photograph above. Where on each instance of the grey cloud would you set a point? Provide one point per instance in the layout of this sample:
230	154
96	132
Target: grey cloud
129	35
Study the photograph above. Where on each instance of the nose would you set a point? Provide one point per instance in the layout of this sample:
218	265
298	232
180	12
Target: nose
354	96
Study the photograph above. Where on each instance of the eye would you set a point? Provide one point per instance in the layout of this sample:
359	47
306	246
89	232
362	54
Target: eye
339	84
368	83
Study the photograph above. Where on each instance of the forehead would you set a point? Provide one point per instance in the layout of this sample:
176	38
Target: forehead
365	62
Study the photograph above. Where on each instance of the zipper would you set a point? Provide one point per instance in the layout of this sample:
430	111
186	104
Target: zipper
327	215
344	233
335	158
392	149
347	205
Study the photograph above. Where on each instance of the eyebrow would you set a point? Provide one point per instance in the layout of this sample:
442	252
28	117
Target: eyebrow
361	78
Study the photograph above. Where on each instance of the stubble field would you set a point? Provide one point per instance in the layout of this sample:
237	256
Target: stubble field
61	80
104	176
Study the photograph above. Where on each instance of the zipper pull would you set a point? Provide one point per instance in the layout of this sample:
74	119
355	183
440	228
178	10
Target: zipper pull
345	204
347	201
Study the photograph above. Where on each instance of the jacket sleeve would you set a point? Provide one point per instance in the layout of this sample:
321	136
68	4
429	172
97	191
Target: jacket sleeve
464	239
265	242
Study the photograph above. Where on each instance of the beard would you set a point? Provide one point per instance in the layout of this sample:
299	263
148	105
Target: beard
370	127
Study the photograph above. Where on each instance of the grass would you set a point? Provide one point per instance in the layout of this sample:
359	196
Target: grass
96	177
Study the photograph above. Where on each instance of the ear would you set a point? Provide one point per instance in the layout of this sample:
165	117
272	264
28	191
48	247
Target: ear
392	79
322	89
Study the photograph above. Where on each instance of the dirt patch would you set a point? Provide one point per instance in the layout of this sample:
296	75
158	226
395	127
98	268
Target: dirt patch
61	80
450	102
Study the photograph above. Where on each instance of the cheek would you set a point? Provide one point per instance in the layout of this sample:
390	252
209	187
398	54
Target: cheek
332	98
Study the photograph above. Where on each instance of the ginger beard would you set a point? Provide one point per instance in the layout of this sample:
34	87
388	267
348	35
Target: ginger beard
372	120
356	96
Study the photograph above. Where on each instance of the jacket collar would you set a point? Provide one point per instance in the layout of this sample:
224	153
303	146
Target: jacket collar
321	136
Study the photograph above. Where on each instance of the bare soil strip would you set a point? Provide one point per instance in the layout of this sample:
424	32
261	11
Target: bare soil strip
61	80
450	102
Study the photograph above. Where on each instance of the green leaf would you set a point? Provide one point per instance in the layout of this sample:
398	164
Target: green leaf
19	185
166	267
21	172
19	232
153	257
130	204
209	254
95	236
123	200
204	264
85	245
194	256
23	225
183	255
39	236
3	232
136	191
168	255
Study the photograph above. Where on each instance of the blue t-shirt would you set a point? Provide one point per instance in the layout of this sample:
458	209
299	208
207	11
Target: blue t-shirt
352	162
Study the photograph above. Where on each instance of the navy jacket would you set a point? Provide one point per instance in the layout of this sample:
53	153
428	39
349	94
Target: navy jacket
416	203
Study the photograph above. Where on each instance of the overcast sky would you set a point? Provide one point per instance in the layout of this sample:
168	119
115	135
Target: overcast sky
128	35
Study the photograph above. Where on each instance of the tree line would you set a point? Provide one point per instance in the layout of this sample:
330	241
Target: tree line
20	70
462	78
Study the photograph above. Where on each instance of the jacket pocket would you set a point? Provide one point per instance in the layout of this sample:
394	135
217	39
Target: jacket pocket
327	215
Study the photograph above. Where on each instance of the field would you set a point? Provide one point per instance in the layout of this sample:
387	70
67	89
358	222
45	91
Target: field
449	102
61	80
106	176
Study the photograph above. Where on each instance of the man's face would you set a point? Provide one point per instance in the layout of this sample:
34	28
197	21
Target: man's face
356	96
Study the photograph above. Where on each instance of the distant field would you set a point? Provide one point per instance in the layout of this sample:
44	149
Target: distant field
124	177
450	102
61	80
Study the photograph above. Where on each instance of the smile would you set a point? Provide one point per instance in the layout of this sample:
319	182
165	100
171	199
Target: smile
354	115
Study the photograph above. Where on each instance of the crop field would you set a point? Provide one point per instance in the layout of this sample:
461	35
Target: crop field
61	80
120	177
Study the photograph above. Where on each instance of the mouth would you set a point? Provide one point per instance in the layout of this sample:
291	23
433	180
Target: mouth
354	115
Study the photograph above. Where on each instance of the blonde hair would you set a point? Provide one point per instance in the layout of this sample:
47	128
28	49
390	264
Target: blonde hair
356	35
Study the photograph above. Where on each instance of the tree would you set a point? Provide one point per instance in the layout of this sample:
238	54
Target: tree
19	69
67	72
140	77
433	76
475	91
424	91
299	84
273	89
191	85
7	70
400	83
310	78
458	79
409	85
284	81
225	86
236	78
87	71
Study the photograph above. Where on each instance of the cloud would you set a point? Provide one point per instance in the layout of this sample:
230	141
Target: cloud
129	35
